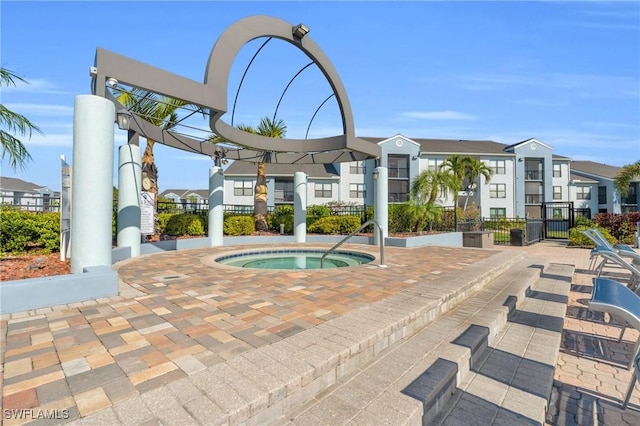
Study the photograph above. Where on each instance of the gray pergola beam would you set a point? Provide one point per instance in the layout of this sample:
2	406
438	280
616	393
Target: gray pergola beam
212	95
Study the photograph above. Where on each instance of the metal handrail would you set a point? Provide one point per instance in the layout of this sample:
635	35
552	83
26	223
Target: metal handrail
364	225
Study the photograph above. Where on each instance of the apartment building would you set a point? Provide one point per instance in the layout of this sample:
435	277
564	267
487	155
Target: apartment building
27	195
529	179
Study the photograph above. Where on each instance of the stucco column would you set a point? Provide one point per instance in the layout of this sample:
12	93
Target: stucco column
381	205
216	205
92	182
129	189
300	207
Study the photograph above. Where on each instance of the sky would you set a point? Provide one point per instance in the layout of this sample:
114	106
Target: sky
565	73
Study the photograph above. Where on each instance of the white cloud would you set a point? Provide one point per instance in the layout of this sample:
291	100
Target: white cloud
438	115
36	85
43	110
51	139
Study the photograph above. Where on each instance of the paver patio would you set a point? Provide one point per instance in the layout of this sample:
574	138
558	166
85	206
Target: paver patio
178	314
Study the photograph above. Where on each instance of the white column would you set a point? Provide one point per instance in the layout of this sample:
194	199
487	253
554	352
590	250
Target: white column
92	182
381	205
216	205
129	189
300	207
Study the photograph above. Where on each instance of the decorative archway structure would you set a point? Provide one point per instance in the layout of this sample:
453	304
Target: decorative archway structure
112	69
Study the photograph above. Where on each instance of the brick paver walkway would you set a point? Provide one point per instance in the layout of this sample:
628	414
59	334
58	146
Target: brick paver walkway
178	313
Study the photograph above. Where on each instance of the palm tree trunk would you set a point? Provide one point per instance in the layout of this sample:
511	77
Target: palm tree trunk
149	170
260	199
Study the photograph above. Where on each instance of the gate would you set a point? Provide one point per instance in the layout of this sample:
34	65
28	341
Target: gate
558	219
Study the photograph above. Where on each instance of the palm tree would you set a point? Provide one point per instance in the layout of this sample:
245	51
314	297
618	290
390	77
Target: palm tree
272	129
160	111
474	169
456	166
424	192
14	123
625	176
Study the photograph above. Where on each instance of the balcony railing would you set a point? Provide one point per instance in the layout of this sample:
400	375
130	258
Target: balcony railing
533	199
533	175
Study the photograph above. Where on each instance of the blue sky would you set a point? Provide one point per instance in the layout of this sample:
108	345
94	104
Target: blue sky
566	73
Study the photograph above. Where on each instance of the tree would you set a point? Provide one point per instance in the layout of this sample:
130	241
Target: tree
424	192
456	165
14	123
160	111
625	176
474	168
272	129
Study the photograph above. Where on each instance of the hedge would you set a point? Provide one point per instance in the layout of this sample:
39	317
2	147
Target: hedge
184	224
238	225
22	231
335	225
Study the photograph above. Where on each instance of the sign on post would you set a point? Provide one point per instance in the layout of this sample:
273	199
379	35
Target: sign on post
147	213
65	208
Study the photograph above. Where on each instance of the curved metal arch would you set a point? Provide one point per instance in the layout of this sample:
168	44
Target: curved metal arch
316	112
275	112
218	69
235	100
212	95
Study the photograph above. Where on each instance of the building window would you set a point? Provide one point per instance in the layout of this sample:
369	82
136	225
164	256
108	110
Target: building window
498	190
557	170
357	168
496	212
357	190
557	193
284	191
434	164
323	190
602	195
498	167
242	187
398	178
583	193
398	191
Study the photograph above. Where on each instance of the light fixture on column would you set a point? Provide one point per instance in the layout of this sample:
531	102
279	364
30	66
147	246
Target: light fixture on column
376	174
299	31
124	119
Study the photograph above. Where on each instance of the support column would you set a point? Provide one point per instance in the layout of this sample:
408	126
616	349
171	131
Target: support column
381	204
92	182
300	207
216	205
129	189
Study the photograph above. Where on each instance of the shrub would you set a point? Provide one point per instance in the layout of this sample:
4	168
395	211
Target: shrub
22	231
335	225
621	226
400	218
318	211
163	219
577	238
583	221
184	224
239	225
282	214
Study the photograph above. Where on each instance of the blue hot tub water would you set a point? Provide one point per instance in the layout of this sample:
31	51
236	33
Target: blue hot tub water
294	259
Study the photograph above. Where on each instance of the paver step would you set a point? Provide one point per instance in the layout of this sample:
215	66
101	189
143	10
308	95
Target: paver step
513	382
413	381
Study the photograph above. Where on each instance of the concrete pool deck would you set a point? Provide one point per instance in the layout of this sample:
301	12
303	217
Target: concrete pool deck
130	358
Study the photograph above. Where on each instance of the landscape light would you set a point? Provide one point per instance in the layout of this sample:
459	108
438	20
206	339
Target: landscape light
124	118
300	30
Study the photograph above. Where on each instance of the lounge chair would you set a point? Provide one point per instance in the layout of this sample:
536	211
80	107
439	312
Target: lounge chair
615	298
603	244
634	379
609	256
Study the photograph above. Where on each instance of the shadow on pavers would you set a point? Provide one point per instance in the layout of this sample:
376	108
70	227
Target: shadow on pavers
571	405
473	410
602	349
548	297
